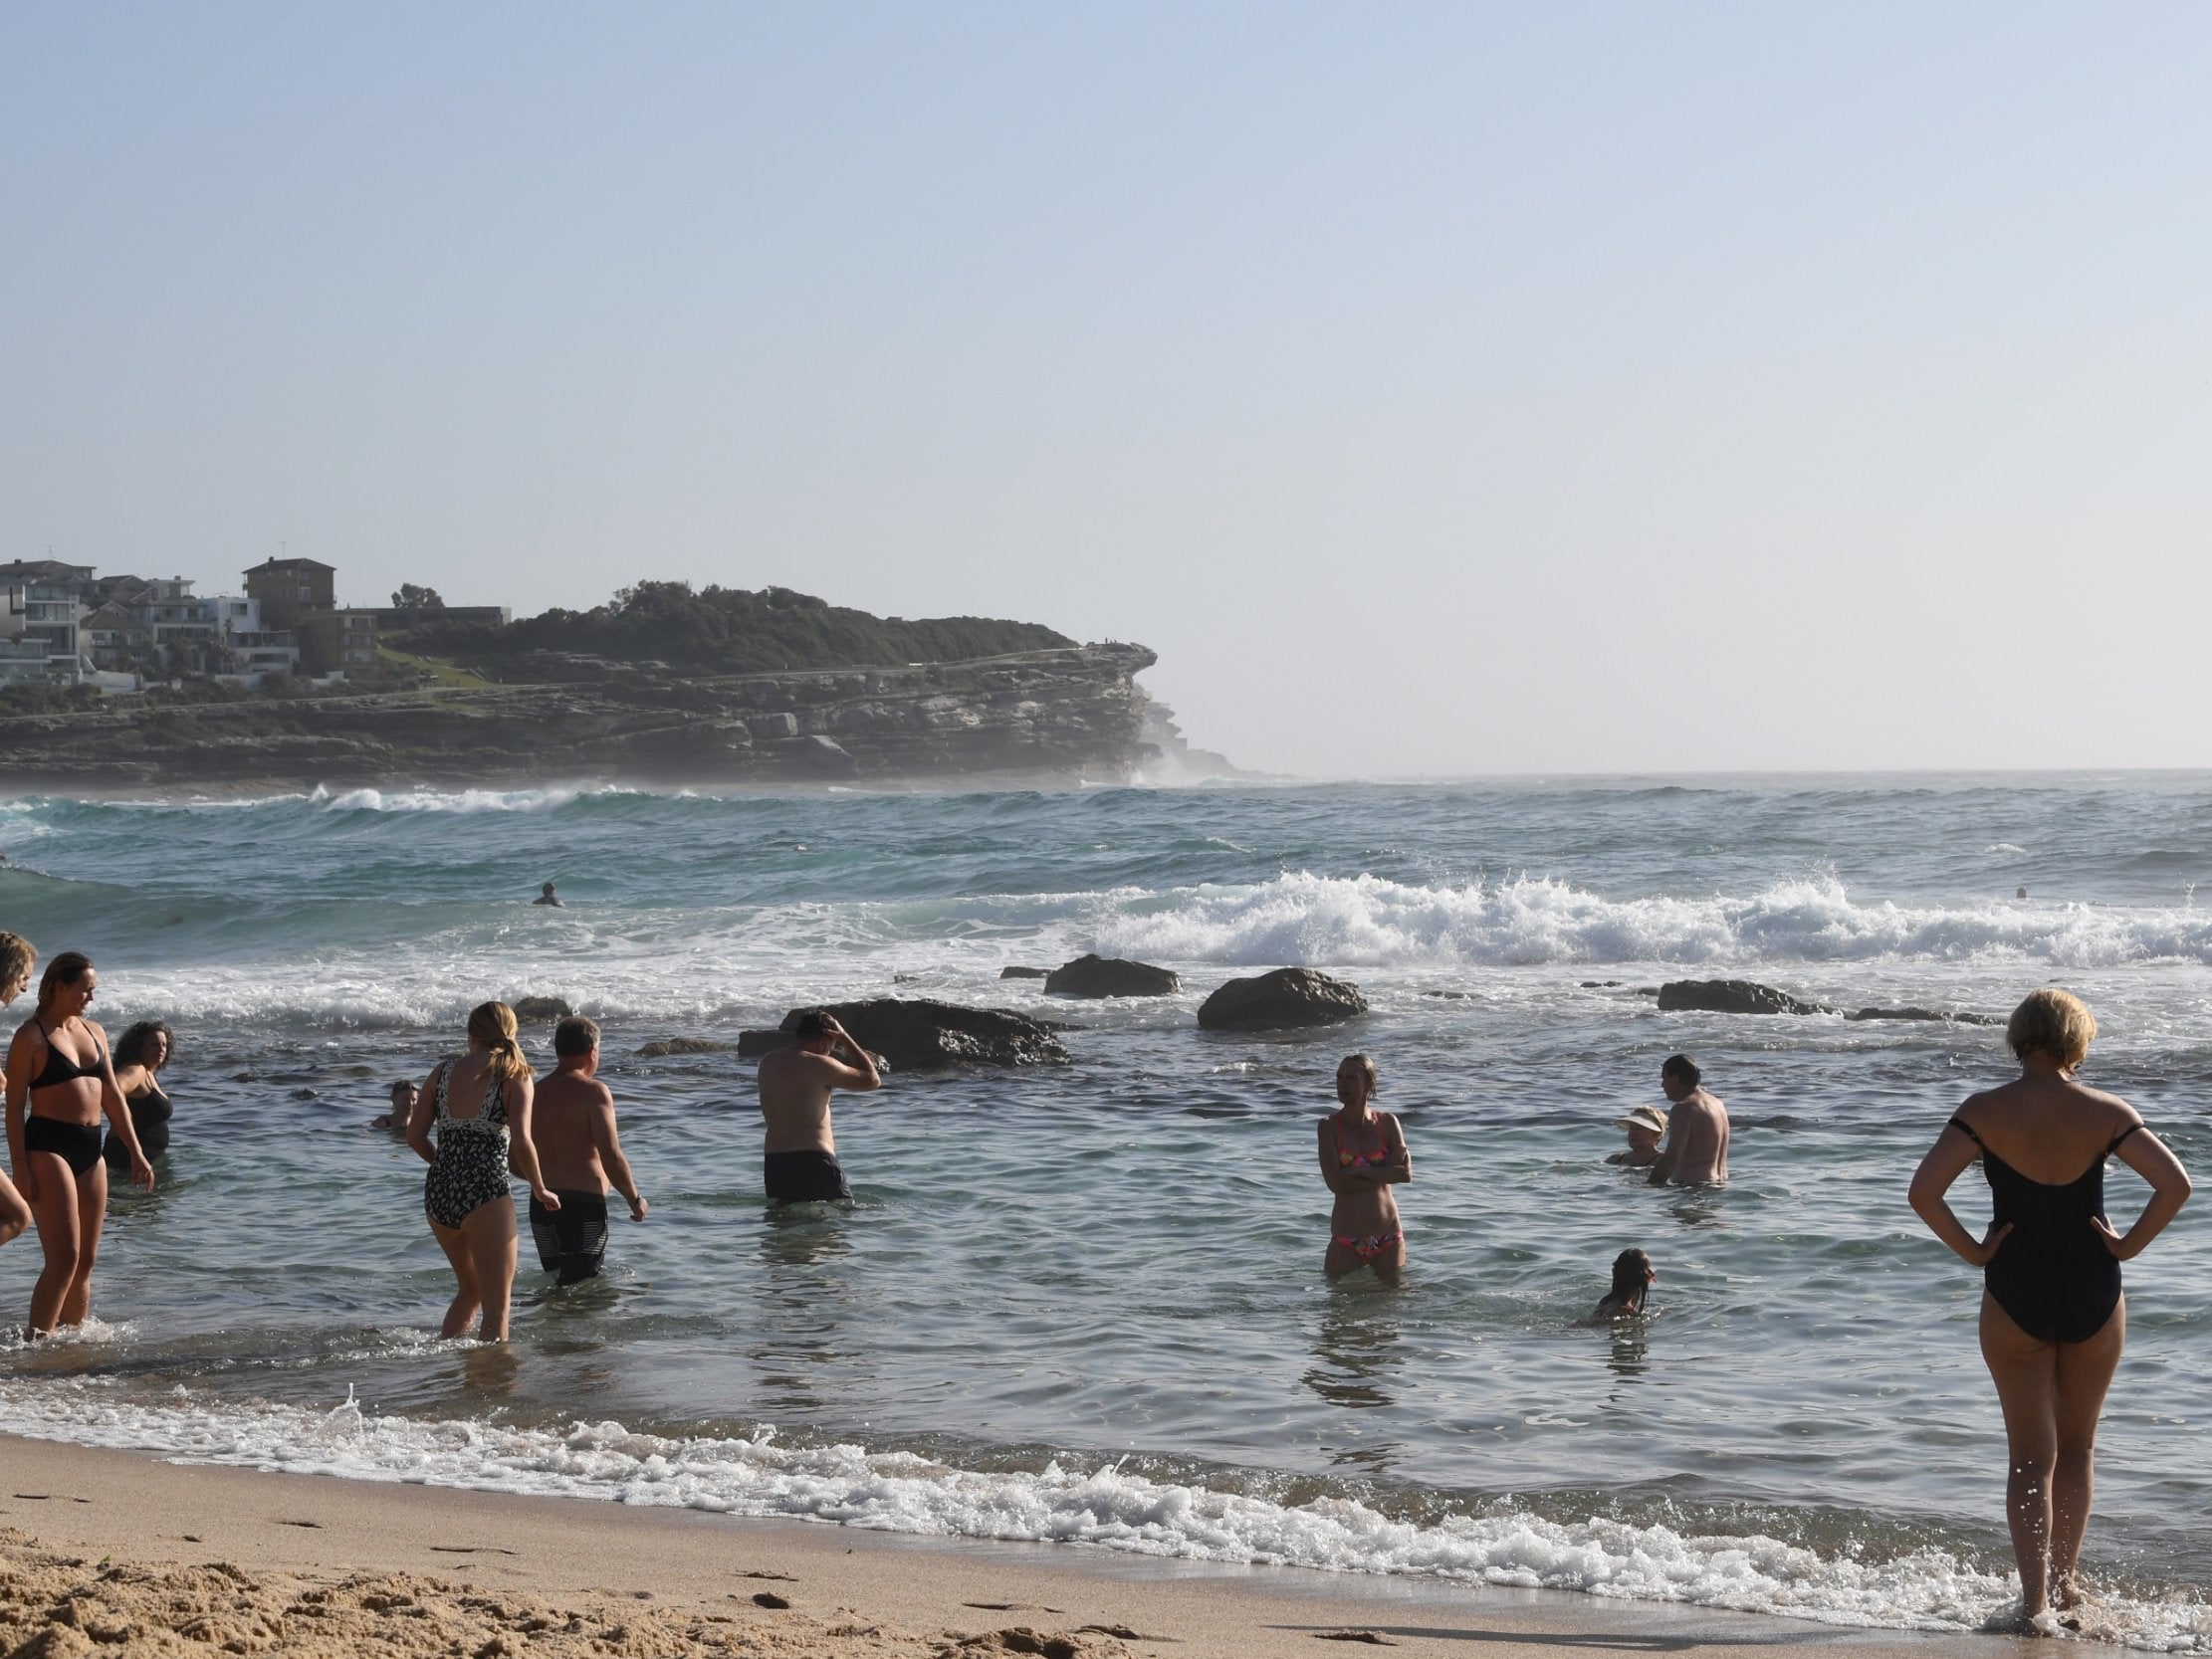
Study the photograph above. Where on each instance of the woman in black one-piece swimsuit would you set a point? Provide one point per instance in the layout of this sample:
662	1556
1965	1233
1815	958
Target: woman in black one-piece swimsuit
141	1054
2052	1318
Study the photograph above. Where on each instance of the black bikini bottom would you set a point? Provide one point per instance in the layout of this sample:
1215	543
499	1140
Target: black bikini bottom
803	1177
572	1240
76	1145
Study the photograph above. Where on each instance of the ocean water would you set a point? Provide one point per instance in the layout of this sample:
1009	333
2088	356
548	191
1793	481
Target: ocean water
1085	1302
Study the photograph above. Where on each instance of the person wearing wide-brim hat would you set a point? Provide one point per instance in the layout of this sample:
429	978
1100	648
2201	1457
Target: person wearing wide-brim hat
1646	1125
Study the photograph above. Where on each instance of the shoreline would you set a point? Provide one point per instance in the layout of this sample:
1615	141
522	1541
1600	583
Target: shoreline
671	1580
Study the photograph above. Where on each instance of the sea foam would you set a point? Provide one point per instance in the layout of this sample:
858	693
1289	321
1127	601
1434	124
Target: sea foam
1367	920
1108	1507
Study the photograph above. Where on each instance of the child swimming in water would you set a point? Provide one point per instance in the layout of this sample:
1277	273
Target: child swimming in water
1632	1274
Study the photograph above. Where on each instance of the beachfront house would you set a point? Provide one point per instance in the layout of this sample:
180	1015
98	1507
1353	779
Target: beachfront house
41	602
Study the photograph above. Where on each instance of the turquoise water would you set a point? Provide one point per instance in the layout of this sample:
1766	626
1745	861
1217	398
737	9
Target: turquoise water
1086	1302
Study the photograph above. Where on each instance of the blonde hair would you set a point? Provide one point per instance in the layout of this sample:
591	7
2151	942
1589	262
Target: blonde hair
2057	1023
17	957
1366	1063
492	1027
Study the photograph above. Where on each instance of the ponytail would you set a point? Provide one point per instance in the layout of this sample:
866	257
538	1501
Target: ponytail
492	1027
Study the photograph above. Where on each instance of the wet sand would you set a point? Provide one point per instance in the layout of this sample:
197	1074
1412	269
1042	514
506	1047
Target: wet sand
110	1551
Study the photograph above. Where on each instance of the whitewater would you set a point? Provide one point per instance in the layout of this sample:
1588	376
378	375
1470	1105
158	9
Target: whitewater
1084	1304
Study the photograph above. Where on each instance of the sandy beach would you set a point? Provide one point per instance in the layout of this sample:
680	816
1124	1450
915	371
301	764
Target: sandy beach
115	1551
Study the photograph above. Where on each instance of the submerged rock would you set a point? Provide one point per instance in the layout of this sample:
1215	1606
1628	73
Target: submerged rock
685	1045
1286	999
1025	973
1096	975
1923	1014
539	1011
921	1034
1730	996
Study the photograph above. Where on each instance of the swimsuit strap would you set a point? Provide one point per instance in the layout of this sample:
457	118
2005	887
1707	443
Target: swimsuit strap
2122	1135
1966	1129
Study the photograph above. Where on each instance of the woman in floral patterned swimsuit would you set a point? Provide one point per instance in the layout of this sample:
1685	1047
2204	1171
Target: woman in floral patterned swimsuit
1363	1155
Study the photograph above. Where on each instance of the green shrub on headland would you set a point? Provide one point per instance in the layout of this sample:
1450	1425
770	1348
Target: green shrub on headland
727	630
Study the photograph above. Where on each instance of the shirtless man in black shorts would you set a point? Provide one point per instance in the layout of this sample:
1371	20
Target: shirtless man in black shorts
580	1152
800	1162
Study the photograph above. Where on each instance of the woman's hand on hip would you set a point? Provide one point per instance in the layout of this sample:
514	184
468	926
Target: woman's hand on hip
2117	1243
1991	1242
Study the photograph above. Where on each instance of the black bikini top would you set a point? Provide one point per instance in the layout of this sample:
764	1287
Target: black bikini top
60	1067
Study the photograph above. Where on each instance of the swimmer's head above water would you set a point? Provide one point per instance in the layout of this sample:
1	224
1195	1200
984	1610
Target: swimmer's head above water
1632	1274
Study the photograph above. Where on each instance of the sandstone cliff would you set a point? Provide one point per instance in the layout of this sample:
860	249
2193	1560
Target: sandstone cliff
1042	715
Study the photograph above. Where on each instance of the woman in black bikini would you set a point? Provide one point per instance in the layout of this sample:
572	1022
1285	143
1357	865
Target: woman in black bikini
1363	1155
479	1104
2052	1318
15	960
59	1063
140	1053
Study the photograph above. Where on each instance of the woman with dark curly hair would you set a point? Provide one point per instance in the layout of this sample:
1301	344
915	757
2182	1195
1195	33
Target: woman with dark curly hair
140	1053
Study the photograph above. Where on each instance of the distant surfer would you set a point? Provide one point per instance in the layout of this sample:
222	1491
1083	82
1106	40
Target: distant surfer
547	896
799	1155
1697	1149
1363	1155
580	1152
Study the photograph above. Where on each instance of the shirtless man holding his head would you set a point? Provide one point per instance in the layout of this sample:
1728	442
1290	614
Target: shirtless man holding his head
800	1162
1697	1149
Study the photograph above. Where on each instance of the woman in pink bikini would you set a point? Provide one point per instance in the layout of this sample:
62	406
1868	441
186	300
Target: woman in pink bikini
1363	1155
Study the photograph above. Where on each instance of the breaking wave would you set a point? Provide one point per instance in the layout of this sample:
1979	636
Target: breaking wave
1366	920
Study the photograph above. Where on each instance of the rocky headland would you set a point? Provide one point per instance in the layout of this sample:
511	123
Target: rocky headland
1053	714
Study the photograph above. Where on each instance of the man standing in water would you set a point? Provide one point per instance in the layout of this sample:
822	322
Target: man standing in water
547	896
800	1154
1697	1149
573	1127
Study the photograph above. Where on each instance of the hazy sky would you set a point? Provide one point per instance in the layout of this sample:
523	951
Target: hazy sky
1439	388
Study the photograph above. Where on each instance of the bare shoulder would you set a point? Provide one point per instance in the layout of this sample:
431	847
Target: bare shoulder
2110	1106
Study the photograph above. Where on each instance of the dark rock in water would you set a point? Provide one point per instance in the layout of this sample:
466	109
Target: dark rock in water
1730	996
1096	975
1025	973
1646	991
539	1011
1599	985
1451	996
1923	1014
685	1045
920	1034
1288	998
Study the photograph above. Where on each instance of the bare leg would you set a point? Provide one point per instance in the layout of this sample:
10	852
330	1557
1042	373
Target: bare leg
462	1308
92	1216
58	1238
2025	1374
15	1214
2084	1373
1341	1259
489	1233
